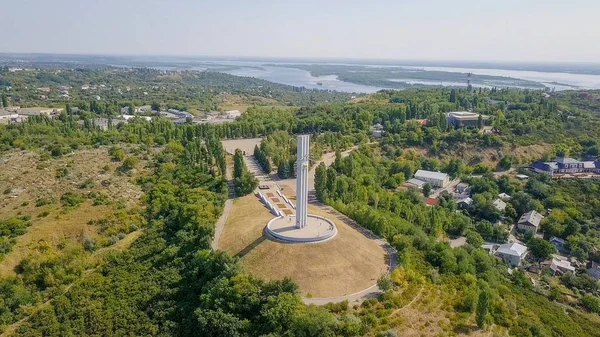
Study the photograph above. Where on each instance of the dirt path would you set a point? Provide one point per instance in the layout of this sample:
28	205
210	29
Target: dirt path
409	303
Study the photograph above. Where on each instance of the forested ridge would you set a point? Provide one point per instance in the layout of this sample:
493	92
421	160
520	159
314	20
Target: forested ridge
169	282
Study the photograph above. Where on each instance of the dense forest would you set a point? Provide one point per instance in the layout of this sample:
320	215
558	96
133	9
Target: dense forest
170	283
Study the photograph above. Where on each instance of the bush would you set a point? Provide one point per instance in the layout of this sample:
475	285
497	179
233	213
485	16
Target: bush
116	153
42	202
590	303
71	199
129	163
87	184
89	244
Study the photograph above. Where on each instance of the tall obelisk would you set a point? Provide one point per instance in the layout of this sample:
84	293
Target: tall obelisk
302	181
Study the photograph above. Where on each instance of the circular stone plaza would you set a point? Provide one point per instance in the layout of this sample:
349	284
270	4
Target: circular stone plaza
317	229
293	223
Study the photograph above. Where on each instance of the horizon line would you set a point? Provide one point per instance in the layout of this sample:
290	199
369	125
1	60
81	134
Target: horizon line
311	58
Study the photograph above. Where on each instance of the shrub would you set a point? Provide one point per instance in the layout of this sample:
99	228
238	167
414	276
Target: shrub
87	184
129	163
590	303
71	199
89	244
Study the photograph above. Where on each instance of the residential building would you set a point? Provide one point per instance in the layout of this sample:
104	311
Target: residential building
38	111
512	253
435	179
377	131
7	116
594	270
559	243
504	196
233	114
499	204
128	117
558	265
143	108
529	222
463	188
464	118
565	165
464	203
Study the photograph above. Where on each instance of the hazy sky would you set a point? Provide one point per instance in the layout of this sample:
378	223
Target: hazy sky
504	30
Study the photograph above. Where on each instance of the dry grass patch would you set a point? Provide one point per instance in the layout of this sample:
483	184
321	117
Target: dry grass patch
35	188
242	102
344	265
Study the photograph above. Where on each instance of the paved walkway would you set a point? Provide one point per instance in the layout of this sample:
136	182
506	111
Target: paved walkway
220	226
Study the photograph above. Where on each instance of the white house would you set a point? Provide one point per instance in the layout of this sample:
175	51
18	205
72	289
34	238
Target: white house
233	114
511	253
559	265
435	179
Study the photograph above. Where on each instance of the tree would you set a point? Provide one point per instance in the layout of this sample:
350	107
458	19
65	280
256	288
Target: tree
321	182
116	153
154	106
426	190
483	305
385	283
540	248
452	96
4	101
129	163
479	122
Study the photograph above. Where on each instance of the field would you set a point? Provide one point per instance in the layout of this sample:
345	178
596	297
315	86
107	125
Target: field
344	265
33	187
242	102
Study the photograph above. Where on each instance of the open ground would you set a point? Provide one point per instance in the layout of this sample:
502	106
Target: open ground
26	179
348	263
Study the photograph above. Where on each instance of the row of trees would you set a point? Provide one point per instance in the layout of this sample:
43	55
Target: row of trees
244	181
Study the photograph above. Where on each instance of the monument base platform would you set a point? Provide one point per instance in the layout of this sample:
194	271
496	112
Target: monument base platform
317	229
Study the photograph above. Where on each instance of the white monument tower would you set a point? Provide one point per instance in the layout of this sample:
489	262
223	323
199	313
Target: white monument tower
309	227
302	181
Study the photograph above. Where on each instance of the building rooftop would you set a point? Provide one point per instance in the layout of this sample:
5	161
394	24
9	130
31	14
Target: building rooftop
504	196
499	204
431	175
465	115
416	182
531	217
566	160
514	249
557	264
